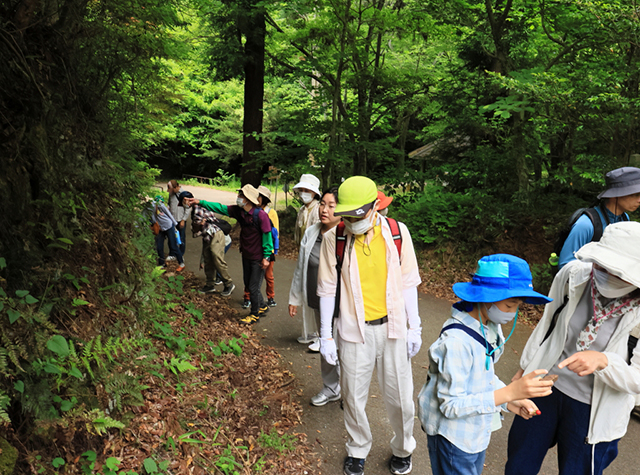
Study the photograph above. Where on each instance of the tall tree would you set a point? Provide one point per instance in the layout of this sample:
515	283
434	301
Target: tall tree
238	50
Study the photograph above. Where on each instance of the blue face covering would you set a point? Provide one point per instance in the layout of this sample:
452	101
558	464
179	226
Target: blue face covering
488	353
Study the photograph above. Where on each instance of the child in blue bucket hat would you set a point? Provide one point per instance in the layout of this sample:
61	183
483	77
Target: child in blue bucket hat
460	404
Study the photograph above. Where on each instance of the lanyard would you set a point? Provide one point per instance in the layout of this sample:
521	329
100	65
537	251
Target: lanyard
488	353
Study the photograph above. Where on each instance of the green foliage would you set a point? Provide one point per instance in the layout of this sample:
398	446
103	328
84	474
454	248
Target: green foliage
281	443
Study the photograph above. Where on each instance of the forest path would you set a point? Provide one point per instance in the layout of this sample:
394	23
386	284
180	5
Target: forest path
324	426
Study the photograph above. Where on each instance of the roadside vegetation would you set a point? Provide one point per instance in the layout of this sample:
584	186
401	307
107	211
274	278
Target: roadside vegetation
489	123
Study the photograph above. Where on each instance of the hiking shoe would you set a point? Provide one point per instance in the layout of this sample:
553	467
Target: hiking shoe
321	399
271	303
400	465
305	340
314	347
218	281
246	303
180	268
263	310
170	258
250	319
227	290
353	466
207	289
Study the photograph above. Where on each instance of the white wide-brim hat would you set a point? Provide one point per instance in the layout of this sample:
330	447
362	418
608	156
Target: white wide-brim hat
618	251
309	182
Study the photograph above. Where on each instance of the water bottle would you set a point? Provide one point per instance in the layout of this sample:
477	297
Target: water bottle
178	240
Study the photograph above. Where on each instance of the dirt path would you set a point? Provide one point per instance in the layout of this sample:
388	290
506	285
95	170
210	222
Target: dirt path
324	425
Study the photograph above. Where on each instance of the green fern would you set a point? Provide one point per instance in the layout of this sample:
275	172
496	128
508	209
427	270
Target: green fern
124	390
4	403
99	423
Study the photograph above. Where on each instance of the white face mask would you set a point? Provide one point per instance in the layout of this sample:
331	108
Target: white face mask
611	286
496	315
360	227
306	197
240	202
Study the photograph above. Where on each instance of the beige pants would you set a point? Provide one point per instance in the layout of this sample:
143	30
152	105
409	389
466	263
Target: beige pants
214	260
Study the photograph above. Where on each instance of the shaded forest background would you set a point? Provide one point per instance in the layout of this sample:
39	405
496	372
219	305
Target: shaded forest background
489	121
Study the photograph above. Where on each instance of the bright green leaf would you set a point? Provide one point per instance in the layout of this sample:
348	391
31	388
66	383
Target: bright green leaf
57	462
58	344
30	299
13	315
19	386
150	465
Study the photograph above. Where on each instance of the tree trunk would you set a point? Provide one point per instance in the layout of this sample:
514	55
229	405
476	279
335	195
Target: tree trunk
253	99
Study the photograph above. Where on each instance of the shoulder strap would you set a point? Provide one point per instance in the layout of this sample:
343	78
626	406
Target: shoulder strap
341	241
473	334
554	319
397	236
596	220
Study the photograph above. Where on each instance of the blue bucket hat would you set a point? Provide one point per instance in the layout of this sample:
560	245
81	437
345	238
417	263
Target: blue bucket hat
499	277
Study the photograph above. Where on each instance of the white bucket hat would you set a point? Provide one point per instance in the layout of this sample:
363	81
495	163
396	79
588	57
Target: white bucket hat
309	182
618	251
249	193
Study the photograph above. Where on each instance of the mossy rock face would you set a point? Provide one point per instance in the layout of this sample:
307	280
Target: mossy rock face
8	457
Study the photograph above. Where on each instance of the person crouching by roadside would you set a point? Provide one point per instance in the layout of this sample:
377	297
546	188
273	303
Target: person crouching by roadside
256	243
164	218
460	404
584	337
205	223
179	213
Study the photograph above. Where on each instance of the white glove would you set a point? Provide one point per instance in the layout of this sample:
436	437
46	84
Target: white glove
414	341
329	351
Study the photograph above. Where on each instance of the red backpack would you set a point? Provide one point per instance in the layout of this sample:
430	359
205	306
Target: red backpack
341	241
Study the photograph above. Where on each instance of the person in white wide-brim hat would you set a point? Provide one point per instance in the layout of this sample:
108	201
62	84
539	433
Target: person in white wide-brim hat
308	190
584	338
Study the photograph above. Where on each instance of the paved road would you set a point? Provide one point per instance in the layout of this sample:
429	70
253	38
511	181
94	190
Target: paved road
324	425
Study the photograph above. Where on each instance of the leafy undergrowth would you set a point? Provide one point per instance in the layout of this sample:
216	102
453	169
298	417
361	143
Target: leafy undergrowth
197	394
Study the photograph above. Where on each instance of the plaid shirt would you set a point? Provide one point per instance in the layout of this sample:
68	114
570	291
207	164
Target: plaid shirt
457	401
209	220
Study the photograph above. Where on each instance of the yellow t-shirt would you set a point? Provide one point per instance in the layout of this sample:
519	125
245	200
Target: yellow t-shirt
372	266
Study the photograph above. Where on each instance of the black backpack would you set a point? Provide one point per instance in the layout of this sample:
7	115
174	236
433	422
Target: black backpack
593	215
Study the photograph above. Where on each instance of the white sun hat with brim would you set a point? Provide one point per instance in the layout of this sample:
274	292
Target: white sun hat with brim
618	251
265	192
309	182
249	193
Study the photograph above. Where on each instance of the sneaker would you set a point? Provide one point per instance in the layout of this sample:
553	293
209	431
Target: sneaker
170	258
246	303
353	466
263	310
207	289
400	465
305	340
180	268
250	319
227	290
314	347
271	303
218	281
321	399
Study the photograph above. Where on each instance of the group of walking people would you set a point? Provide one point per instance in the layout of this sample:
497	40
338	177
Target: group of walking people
355	284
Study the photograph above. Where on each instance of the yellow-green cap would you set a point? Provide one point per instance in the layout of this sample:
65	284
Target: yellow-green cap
356	196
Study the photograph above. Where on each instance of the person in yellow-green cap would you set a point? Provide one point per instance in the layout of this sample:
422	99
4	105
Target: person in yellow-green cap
377	325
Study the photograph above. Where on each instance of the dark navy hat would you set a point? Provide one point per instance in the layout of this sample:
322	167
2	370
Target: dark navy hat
183	195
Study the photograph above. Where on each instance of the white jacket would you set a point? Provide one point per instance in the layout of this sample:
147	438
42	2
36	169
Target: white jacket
298	292
615	387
